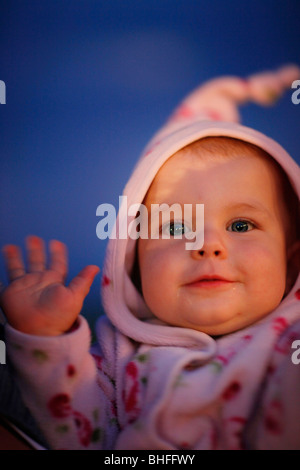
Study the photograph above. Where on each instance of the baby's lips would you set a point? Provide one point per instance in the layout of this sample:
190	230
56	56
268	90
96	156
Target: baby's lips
209	277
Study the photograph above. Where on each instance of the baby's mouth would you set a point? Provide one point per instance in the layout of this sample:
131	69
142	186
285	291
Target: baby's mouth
210	282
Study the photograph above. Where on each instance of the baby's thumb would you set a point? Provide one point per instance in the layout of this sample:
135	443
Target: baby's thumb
81	284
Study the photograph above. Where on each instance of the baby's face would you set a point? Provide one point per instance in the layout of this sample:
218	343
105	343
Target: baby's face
244	245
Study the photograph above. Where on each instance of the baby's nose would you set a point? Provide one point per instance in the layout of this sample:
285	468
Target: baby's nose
213	246
207	252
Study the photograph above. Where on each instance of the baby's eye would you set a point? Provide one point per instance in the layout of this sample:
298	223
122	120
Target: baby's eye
175	229
241	226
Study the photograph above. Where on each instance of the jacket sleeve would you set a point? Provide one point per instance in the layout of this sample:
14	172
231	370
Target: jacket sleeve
275	424
64	387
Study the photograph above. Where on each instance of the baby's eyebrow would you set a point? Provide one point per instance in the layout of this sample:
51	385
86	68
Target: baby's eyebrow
162	207
255	206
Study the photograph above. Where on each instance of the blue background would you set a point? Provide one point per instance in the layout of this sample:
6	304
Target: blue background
88	83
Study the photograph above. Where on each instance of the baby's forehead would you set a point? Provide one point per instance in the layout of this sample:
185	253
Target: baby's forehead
218	153
213	153
212	150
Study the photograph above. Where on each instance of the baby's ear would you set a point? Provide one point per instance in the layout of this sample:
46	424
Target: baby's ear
293	265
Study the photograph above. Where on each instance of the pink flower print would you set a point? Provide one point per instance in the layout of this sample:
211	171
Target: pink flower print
280	324
234	431
222	359
131	398
183	112
213	115
233	351
132	370
273	417
105	281
131	392
285	342
59	405
84	428
297	294
231	391
247	338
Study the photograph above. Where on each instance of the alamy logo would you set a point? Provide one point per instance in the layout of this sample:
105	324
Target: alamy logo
162	221
2	352
2	92
296	94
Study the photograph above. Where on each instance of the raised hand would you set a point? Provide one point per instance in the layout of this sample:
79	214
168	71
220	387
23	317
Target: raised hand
37	301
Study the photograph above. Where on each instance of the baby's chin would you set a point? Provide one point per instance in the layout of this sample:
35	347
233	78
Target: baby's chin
240	321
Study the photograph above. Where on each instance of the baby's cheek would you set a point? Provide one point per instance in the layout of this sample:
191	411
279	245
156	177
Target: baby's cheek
152	271
262	257
266	270
158	282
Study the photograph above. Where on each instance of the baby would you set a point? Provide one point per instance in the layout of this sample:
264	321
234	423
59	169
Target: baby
195	350
249	238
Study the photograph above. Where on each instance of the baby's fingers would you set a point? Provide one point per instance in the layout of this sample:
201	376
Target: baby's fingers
36	255
13	262
58	257
81	284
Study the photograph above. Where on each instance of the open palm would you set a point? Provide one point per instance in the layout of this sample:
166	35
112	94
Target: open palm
37	301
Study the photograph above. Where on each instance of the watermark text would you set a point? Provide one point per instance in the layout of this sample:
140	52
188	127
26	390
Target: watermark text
296	354
2	92
2	352
159	221
150	459
296	93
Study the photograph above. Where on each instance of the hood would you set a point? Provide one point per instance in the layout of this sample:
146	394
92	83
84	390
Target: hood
211	110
